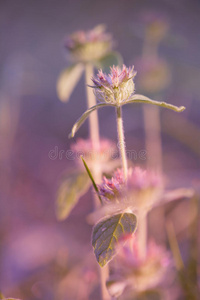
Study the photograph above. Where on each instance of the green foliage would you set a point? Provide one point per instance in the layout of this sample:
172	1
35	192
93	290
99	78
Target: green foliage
71	189
107	233
67	81
145	100
84	117
112	58
91	178
134	99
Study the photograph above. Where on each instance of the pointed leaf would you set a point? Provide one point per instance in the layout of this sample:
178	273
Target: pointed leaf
143	99
107	233
71	189
84	116
68	80
92	179
112	58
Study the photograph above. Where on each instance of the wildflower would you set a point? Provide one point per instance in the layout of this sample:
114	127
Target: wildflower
111	189
115	87
136	272
157	26
142	190
91	45
103	154
154	74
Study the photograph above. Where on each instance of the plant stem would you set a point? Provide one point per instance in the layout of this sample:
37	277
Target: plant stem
153	137
91	101
96	168
121	141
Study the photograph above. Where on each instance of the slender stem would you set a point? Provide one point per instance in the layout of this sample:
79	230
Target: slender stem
91	101
121	141
153	137
153	142
96	168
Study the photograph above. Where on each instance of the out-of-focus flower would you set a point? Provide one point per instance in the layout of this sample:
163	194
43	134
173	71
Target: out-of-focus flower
84	48
104	154
157	26
91	45
142	190
154	74
115	87
136	272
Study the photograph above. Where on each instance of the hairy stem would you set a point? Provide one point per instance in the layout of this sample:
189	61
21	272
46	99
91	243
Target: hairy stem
121	141
96	168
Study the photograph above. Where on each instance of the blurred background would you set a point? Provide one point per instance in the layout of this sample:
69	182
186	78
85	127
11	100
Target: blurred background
39	256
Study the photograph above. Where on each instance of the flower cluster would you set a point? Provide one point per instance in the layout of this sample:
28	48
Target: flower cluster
116	87
142	189
111	189
85	46
141	273
85	148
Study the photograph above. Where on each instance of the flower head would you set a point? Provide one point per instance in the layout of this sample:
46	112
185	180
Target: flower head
157	26
85	148
91	45
142	273
142	190
111	189
154	74
115	87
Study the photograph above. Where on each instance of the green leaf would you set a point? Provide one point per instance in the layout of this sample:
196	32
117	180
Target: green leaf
112	58
71	189
84	116
92	179
107	233
68	80
143	99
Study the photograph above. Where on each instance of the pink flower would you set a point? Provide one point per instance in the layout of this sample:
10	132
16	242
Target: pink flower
115	87
111	189
89	45
85	148
142	273
143	189
133	273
